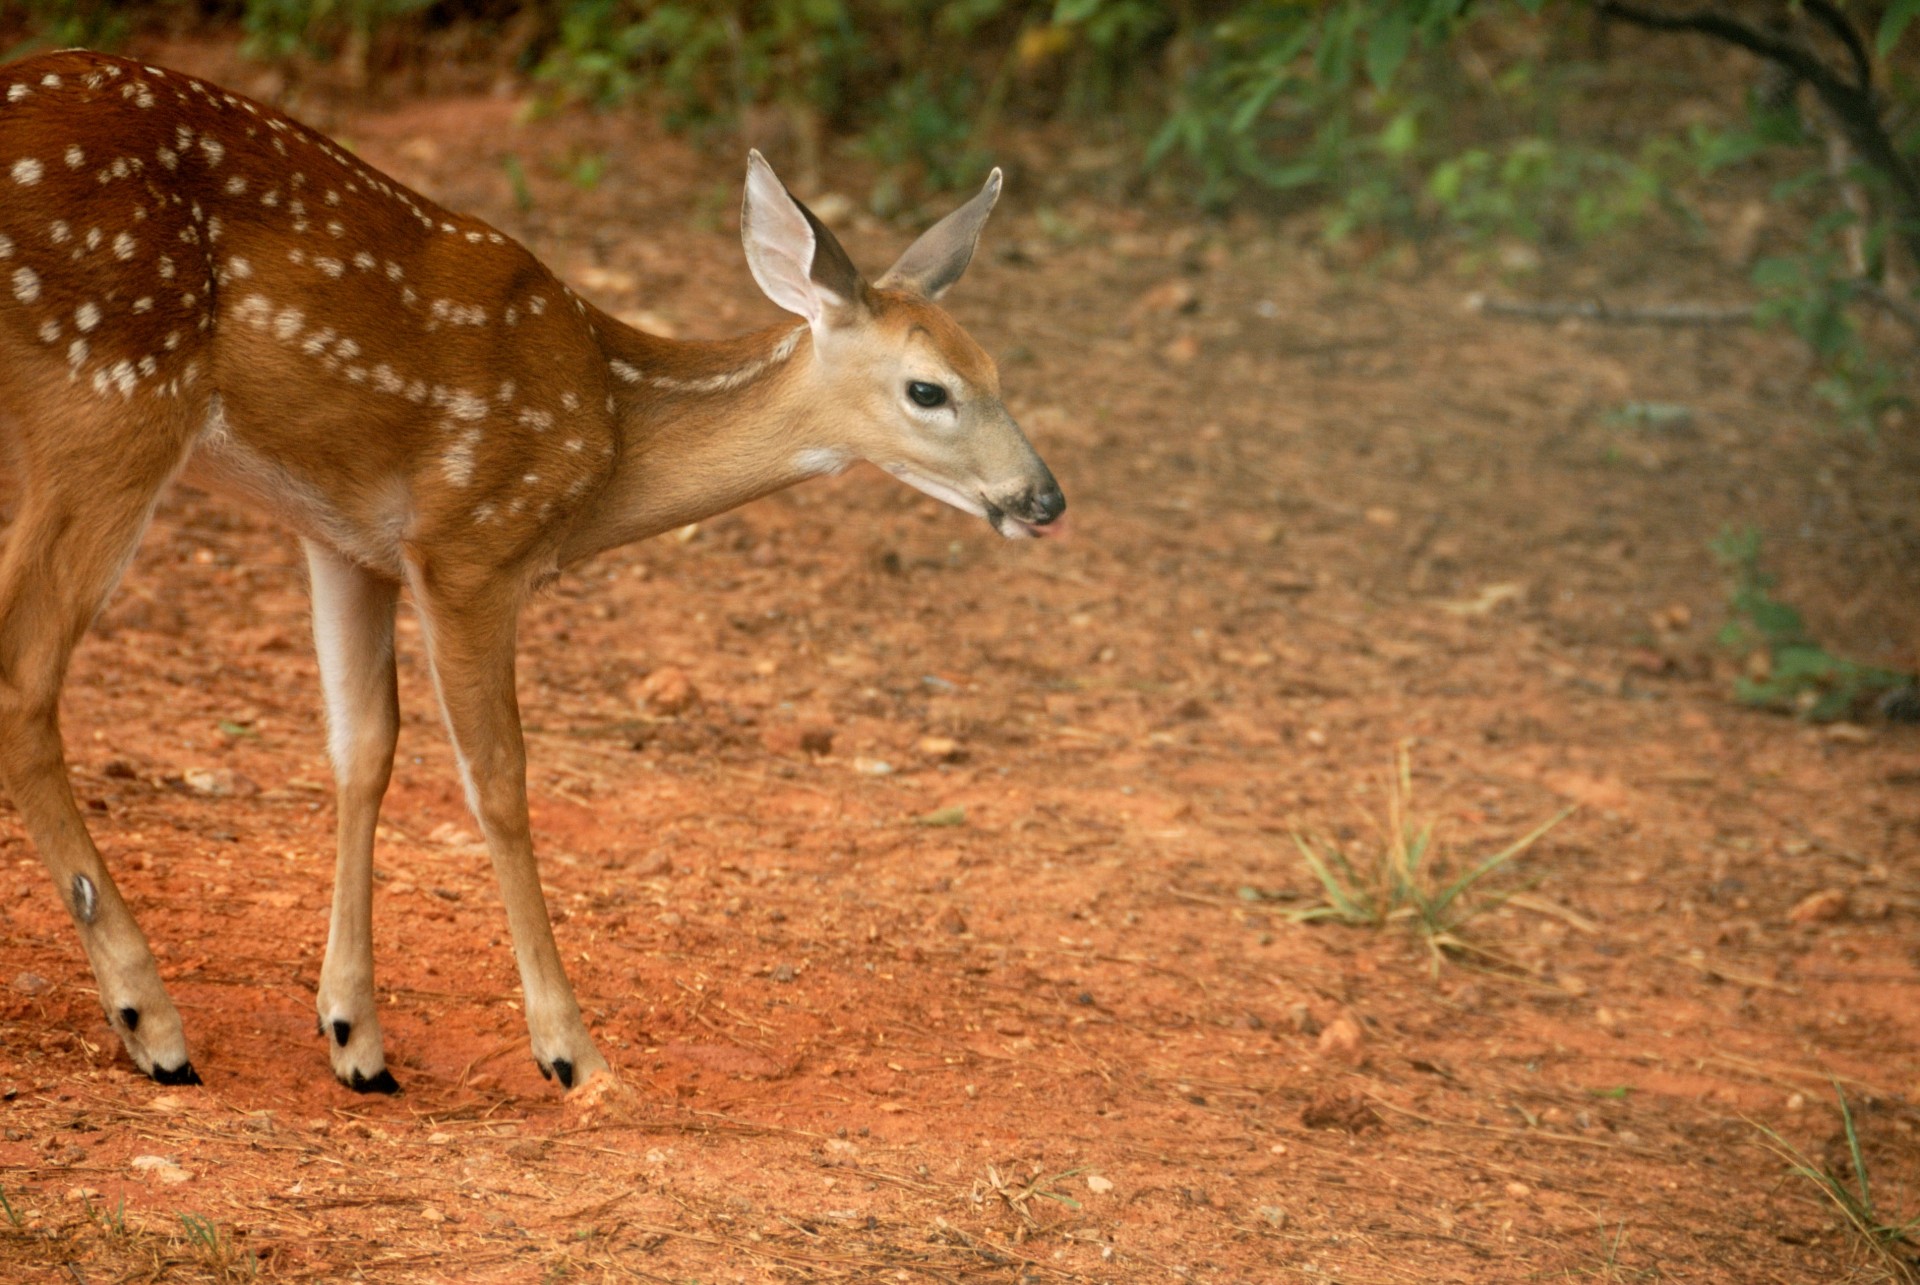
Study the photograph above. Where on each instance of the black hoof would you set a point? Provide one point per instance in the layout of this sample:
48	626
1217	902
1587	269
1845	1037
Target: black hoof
381	1083
563	1069
342	1029
182	1074
546	1072
130	1018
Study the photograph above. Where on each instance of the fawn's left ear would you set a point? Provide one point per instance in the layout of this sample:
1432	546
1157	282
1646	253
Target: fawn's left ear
936	260
797	261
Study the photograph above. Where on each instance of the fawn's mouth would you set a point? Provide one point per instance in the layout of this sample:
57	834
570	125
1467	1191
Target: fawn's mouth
1041	508
1012	528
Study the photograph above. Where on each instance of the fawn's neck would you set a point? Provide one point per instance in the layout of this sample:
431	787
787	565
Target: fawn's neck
705	426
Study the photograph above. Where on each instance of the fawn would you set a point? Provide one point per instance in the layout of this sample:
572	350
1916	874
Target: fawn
190	281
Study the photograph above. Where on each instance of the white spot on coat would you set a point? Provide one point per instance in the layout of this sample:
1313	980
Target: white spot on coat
458	464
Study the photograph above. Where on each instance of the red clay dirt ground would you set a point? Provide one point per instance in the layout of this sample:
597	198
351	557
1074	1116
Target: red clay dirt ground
1320	511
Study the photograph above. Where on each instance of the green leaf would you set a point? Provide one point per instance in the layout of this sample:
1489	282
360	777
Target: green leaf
1893	23
1387	44
944	817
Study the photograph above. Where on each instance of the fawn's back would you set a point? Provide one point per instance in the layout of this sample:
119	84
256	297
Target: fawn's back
373	367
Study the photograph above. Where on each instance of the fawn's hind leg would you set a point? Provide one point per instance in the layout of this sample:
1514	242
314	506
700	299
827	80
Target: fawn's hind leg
353	634
88	485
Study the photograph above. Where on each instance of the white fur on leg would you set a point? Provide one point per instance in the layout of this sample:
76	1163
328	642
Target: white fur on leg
353	636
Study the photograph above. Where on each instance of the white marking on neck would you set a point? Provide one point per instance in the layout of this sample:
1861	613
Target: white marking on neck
733	379
820	461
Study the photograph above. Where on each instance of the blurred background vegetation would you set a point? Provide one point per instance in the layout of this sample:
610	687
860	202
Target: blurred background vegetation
1504	127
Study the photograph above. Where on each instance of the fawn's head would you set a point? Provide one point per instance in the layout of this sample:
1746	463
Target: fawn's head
913	392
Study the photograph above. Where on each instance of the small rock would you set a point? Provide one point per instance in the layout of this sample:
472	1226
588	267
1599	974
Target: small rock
1097	1185
1182	351
31	984
165	1168
1169	298
1519	1190
1342	1041
1303	1020
431	1214
668	690
781	738
1819	907
783	973
1348	1112
791	738
951	920
651	322
218	782
1796	1102
614	280
941	749
872	767
835	209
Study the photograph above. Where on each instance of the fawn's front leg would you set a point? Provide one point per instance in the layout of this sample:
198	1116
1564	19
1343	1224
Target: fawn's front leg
353	636
469	629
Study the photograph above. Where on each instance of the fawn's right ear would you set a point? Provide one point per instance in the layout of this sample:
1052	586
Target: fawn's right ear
797	261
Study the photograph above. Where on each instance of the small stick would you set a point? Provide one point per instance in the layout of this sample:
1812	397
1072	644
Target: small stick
1659	314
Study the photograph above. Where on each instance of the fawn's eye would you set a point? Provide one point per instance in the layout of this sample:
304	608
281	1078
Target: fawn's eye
926	395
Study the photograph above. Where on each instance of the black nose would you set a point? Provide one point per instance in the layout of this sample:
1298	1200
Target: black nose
1048	503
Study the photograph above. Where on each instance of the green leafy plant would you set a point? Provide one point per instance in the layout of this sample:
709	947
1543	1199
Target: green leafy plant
225	1257
1406	876
1890	1239
1787	669
278	29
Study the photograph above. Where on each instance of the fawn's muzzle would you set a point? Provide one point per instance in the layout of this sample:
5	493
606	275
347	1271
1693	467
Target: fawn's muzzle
1026	514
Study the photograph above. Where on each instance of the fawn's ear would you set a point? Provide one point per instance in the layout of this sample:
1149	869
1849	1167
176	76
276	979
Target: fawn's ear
796	260
942	253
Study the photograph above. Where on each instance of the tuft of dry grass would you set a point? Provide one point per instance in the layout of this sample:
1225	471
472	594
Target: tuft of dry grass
1406	875
1888	1240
